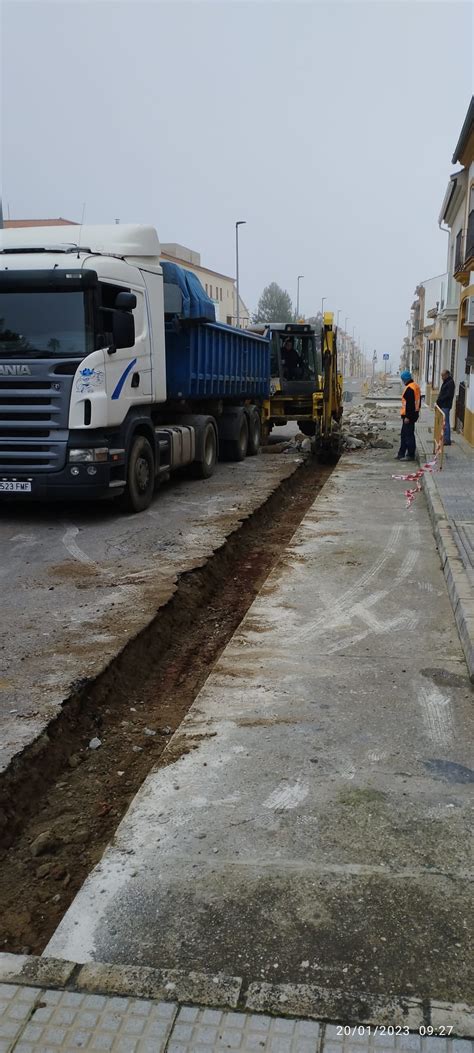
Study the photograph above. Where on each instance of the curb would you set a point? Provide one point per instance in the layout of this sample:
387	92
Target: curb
458	585
307	1001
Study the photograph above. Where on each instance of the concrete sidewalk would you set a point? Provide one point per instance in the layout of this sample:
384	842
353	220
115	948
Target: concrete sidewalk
310	833
450	497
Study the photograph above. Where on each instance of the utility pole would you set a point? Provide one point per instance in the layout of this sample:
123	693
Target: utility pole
1	214
240	223
298	296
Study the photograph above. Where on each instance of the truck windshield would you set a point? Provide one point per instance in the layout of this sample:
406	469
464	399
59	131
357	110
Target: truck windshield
45	324
298	356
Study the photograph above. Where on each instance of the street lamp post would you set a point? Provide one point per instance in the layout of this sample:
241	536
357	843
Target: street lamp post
240	223
298	296
337	319
374	359
345	342
323	298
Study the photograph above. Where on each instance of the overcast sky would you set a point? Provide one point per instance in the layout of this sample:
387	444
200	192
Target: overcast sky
328	127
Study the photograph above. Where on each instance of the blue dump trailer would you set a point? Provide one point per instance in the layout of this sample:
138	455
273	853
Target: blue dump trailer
204	358
209	360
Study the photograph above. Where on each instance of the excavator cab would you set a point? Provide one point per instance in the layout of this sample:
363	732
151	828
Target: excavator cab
295	359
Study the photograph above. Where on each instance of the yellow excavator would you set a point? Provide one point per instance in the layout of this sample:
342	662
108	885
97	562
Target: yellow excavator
305	385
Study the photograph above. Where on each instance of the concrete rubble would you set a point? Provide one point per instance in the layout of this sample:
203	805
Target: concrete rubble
362	428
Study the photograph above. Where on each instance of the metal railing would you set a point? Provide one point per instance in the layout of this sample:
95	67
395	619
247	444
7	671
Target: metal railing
470	237
459	255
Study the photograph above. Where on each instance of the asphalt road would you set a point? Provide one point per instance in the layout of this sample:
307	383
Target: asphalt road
78	581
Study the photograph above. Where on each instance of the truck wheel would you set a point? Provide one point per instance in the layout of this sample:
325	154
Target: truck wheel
140	476
205	468
236	449
254	433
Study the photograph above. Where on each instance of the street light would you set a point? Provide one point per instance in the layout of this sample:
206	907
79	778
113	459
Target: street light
323	298
298	296
240	223
345	343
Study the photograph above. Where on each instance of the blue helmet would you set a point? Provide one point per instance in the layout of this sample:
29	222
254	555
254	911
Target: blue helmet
406	376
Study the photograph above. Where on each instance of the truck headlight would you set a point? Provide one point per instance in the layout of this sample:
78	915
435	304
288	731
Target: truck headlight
97	453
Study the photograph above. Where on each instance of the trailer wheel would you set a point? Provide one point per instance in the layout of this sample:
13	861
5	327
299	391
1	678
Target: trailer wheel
236	449
255	432
205	468
140	476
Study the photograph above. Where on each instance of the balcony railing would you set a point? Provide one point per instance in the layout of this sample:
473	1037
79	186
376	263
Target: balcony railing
458	254
470	237
461	267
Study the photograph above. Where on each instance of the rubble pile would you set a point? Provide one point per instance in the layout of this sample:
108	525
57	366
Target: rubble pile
362	428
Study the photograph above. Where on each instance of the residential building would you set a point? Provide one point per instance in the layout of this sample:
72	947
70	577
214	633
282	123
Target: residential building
39	223
457	216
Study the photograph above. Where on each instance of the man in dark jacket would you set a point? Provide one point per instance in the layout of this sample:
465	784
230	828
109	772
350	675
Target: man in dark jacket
444	401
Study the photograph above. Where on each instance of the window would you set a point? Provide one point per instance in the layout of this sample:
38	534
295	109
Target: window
453	357
221	294
206	287
210	291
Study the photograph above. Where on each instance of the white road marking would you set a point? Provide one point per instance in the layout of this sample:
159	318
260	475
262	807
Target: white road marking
286	797
436	714
341	604
73	548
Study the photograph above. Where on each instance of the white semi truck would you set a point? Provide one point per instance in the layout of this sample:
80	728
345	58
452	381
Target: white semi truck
113	371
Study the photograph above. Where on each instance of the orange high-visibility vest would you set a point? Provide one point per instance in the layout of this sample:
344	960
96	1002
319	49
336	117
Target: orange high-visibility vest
417	390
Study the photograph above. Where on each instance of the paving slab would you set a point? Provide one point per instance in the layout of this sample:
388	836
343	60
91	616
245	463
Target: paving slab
63	1021
316	828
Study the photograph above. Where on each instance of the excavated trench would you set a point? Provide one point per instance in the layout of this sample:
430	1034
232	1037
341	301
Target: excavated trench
75	796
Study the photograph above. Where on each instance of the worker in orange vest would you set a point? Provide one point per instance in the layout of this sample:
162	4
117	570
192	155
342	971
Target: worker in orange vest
410	411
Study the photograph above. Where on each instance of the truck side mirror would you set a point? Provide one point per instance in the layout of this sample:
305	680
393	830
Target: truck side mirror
125	301
123	327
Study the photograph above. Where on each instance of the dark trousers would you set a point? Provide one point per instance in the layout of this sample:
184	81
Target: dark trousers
447	425
407	439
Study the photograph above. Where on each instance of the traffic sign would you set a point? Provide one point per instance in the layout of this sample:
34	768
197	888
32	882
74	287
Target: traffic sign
386	358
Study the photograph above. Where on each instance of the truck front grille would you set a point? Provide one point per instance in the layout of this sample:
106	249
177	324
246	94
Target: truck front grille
32	409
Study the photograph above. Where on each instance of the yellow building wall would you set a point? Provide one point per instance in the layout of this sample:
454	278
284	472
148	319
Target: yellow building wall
468	431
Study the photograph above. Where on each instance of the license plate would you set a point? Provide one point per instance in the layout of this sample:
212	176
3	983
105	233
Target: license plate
14	487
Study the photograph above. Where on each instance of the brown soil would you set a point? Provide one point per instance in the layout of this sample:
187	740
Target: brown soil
79	794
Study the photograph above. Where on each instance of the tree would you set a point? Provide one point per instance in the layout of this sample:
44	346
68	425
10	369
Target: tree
274	305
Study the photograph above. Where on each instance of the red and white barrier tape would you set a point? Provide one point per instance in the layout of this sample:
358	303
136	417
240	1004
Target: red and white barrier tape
416	477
